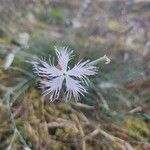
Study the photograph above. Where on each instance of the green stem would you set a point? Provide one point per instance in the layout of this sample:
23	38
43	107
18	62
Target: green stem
104	59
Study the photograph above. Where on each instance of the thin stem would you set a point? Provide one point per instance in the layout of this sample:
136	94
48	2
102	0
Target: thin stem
101	59
16	131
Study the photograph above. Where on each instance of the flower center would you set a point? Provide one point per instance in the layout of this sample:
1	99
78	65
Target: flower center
64	73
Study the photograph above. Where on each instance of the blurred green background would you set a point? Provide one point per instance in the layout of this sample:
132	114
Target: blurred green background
115	114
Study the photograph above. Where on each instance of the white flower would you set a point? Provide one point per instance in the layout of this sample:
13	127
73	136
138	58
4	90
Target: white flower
53	78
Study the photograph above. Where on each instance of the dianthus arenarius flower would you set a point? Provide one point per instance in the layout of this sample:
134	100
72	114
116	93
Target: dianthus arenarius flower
53	78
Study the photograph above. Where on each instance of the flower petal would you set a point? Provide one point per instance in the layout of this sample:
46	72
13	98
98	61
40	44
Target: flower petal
43	69
82	70
63	56
52	87
74	88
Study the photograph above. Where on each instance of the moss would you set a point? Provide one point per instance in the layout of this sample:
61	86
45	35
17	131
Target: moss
65	108
59	133
29	133
50	109
70	132
138	127
74	117
19	122
64	116
57	146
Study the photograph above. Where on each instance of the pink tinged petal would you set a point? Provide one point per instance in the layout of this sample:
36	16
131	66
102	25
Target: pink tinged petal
82	70
52	87
43	69
74	88
63	56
